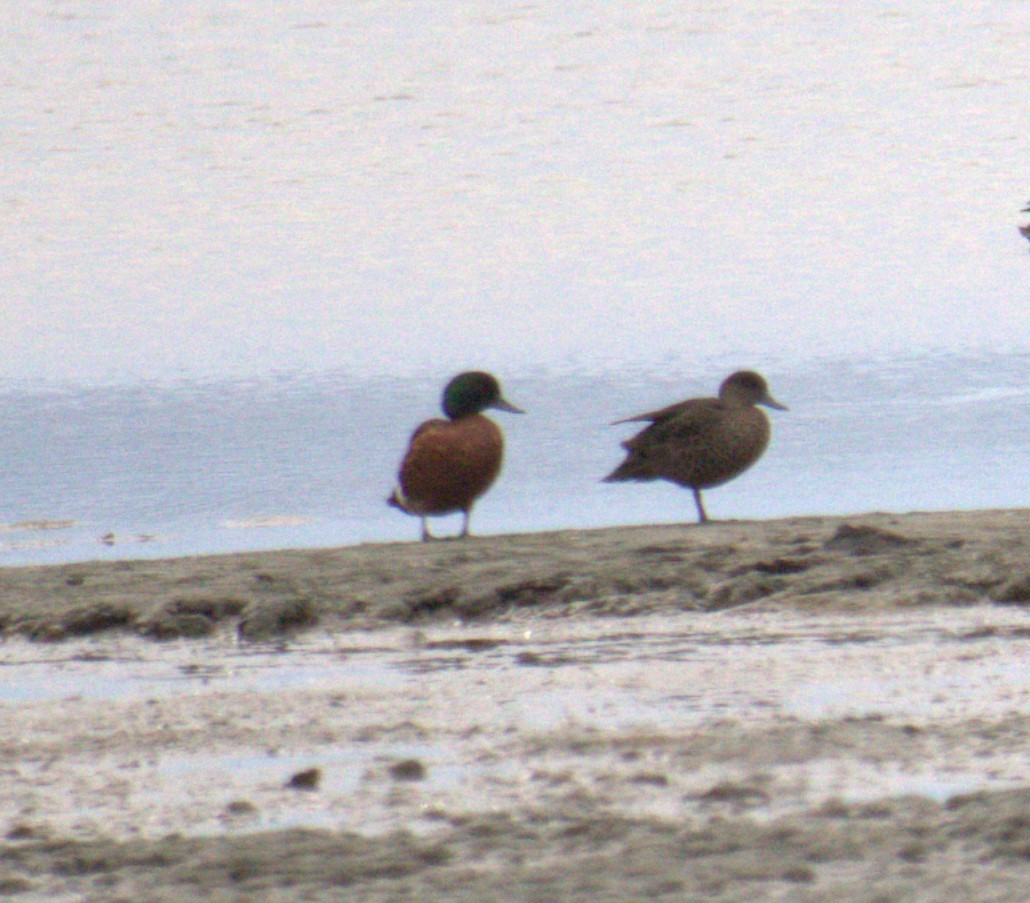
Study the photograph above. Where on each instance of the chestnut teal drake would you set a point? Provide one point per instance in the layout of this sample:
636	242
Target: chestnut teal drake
450	463
702	442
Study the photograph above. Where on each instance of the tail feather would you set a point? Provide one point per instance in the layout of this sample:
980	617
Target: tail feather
628	470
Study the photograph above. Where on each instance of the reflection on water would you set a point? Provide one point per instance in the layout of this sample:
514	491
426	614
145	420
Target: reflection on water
308	460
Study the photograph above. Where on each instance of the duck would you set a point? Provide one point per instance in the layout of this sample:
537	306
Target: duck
451	463
702	442
1025	229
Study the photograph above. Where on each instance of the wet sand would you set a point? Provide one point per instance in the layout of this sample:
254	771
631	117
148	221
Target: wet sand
805	709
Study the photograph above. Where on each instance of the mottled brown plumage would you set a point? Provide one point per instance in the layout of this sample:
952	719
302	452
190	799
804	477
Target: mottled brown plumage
451	463
702	442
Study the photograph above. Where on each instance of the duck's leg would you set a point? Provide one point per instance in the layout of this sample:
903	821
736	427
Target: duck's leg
467	512
702	516
426	535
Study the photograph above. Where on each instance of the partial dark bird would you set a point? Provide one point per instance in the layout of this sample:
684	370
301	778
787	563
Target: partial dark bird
702	442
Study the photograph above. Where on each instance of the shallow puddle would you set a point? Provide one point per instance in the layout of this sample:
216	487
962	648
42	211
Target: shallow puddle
204	736
96	671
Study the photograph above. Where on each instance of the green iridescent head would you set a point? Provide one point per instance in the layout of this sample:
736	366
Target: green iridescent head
474	391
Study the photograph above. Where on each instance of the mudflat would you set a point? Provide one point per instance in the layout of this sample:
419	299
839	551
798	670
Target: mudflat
802	709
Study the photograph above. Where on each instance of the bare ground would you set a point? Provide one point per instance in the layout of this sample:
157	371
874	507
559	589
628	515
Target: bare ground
808	709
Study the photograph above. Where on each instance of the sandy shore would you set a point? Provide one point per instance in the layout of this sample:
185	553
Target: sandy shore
804	709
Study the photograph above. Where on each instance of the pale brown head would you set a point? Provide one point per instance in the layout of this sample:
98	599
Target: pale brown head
745	387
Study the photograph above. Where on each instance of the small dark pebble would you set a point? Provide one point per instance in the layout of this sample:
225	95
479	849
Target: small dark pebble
913	852
798	874
733	793
241	807
408	770
305	780
528	658
20	832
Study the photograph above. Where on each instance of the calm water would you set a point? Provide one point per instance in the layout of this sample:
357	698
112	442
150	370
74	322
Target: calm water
610	206
206	188
296	461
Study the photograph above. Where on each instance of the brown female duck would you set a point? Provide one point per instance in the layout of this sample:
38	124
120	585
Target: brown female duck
702	442
451	463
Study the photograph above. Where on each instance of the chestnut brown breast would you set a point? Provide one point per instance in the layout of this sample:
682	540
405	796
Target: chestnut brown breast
449	464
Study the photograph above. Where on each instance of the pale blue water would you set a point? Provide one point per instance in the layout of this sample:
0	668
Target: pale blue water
611	206
199	465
